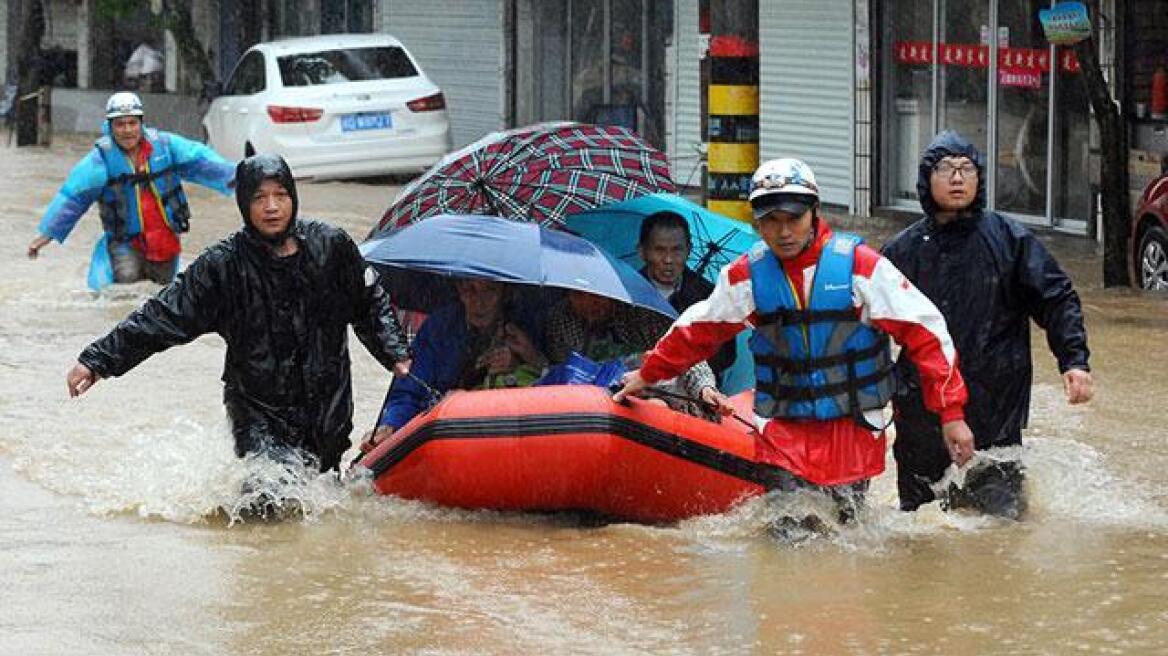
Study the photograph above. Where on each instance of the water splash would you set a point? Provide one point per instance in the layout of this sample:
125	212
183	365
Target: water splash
1071	480
185	473
1066	481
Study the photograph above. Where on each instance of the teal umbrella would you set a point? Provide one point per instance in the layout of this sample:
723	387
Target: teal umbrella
717	239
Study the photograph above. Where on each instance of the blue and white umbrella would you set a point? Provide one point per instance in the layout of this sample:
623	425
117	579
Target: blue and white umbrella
419	260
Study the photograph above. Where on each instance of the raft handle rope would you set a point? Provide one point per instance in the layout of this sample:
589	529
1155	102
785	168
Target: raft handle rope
712	408
435	397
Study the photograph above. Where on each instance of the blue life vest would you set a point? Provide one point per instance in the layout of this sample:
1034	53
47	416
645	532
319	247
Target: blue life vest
817	362
120	215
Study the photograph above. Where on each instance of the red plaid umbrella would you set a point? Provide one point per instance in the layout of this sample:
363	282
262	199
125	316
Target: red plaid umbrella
539	173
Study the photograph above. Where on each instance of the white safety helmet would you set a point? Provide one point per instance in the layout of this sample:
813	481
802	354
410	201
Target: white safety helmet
123	103
786	184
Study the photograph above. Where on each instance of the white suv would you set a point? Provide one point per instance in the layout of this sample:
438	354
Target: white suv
340	105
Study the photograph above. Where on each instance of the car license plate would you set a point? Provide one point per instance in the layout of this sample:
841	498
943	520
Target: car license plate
366	121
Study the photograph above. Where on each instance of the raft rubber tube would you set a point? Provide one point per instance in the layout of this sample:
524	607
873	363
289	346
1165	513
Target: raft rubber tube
571	448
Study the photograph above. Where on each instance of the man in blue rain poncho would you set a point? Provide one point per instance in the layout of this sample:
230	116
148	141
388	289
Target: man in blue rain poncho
134	173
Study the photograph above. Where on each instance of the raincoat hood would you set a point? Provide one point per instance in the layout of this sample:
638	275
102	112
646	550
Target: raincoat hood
949	144
250	173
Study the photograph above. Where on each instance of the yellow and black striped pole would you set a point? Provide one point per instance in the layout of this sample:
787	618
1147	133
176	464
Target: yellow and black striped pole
733	125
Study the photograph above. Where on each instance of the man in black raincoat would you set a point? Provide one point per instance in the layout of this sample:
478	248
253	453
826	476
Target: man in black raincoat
281	292
989	276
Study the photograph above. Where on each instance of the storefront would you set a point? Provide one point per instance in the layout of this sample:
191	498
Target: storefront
1023	104
515	63
597	61
1146	92
806	80
462	46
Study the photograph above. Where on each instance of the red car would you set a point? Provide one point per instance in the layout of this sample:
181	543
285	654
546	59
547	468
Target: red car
1150	236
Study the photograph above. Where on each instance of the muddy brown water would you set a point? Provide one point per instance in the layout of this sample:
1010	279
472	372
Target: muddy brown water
114	538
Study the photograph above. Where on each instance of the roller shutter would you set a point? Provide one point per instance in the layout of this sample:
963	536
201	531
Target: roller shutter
806	89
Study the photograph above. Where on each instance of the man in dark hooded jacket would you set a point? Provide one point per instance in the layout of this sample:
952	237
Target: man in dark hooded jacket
281	292
989	276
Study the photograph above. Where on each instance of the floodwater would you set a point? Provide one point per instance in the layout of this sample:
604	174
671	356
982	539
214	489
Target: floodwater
118	533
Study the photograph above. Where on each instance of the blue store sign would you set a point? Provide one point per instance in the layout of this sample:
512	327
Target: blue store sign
1066	23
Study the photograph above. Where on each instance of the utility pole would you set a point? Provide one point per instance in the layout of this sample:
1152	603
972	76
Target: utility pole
1112	166
31	74
732	126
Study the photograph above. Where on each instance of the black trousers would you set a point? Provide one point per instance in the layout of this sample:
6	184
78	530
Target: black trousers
991	486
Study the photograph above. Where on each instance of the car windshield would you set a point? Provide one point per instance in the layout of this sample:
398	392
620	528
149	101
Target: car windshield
348	65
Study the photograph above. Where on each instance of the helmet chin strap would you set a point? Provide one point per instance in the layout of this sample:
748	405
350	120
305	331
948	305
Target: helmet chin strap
814	230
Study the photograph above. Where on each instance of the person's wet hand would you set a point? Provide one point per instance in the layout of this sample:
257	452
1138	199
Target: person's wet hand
79	379
958	440
35	246
1078	386
631	384
401	368
497	360
521	345
717	400
372	438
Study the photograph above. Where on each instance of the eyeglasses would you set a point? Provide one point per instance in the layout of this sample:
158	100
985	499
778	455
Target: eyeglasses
946	169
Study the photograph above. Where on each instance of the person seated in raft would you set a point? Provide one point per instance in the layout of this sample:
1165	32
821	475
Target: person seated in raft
665	245
471	344
602	329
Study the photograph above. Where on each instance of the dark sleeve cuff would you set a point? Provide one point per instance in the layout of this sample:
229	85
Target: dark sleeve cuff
98	365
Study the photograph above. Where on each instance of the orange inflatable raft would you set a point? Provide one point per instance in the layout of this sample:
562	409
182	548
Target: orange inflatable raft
571	448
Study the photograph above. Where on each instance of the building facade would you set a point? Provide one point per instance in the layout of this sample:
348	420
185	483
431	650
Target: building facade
984	68
464	48
857	88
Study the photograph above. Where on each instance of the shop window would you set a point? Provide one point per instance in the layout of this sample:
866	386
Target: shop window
346	16
1023	108
1037	94
908	106
597	61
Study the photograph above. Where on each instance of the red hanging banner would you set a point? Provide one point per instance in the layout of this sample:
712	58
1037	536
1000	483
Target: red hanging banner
1029	60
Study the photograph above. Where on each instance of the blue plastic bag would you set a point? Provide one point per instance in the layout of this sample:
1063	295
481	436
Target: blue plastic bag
580	370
